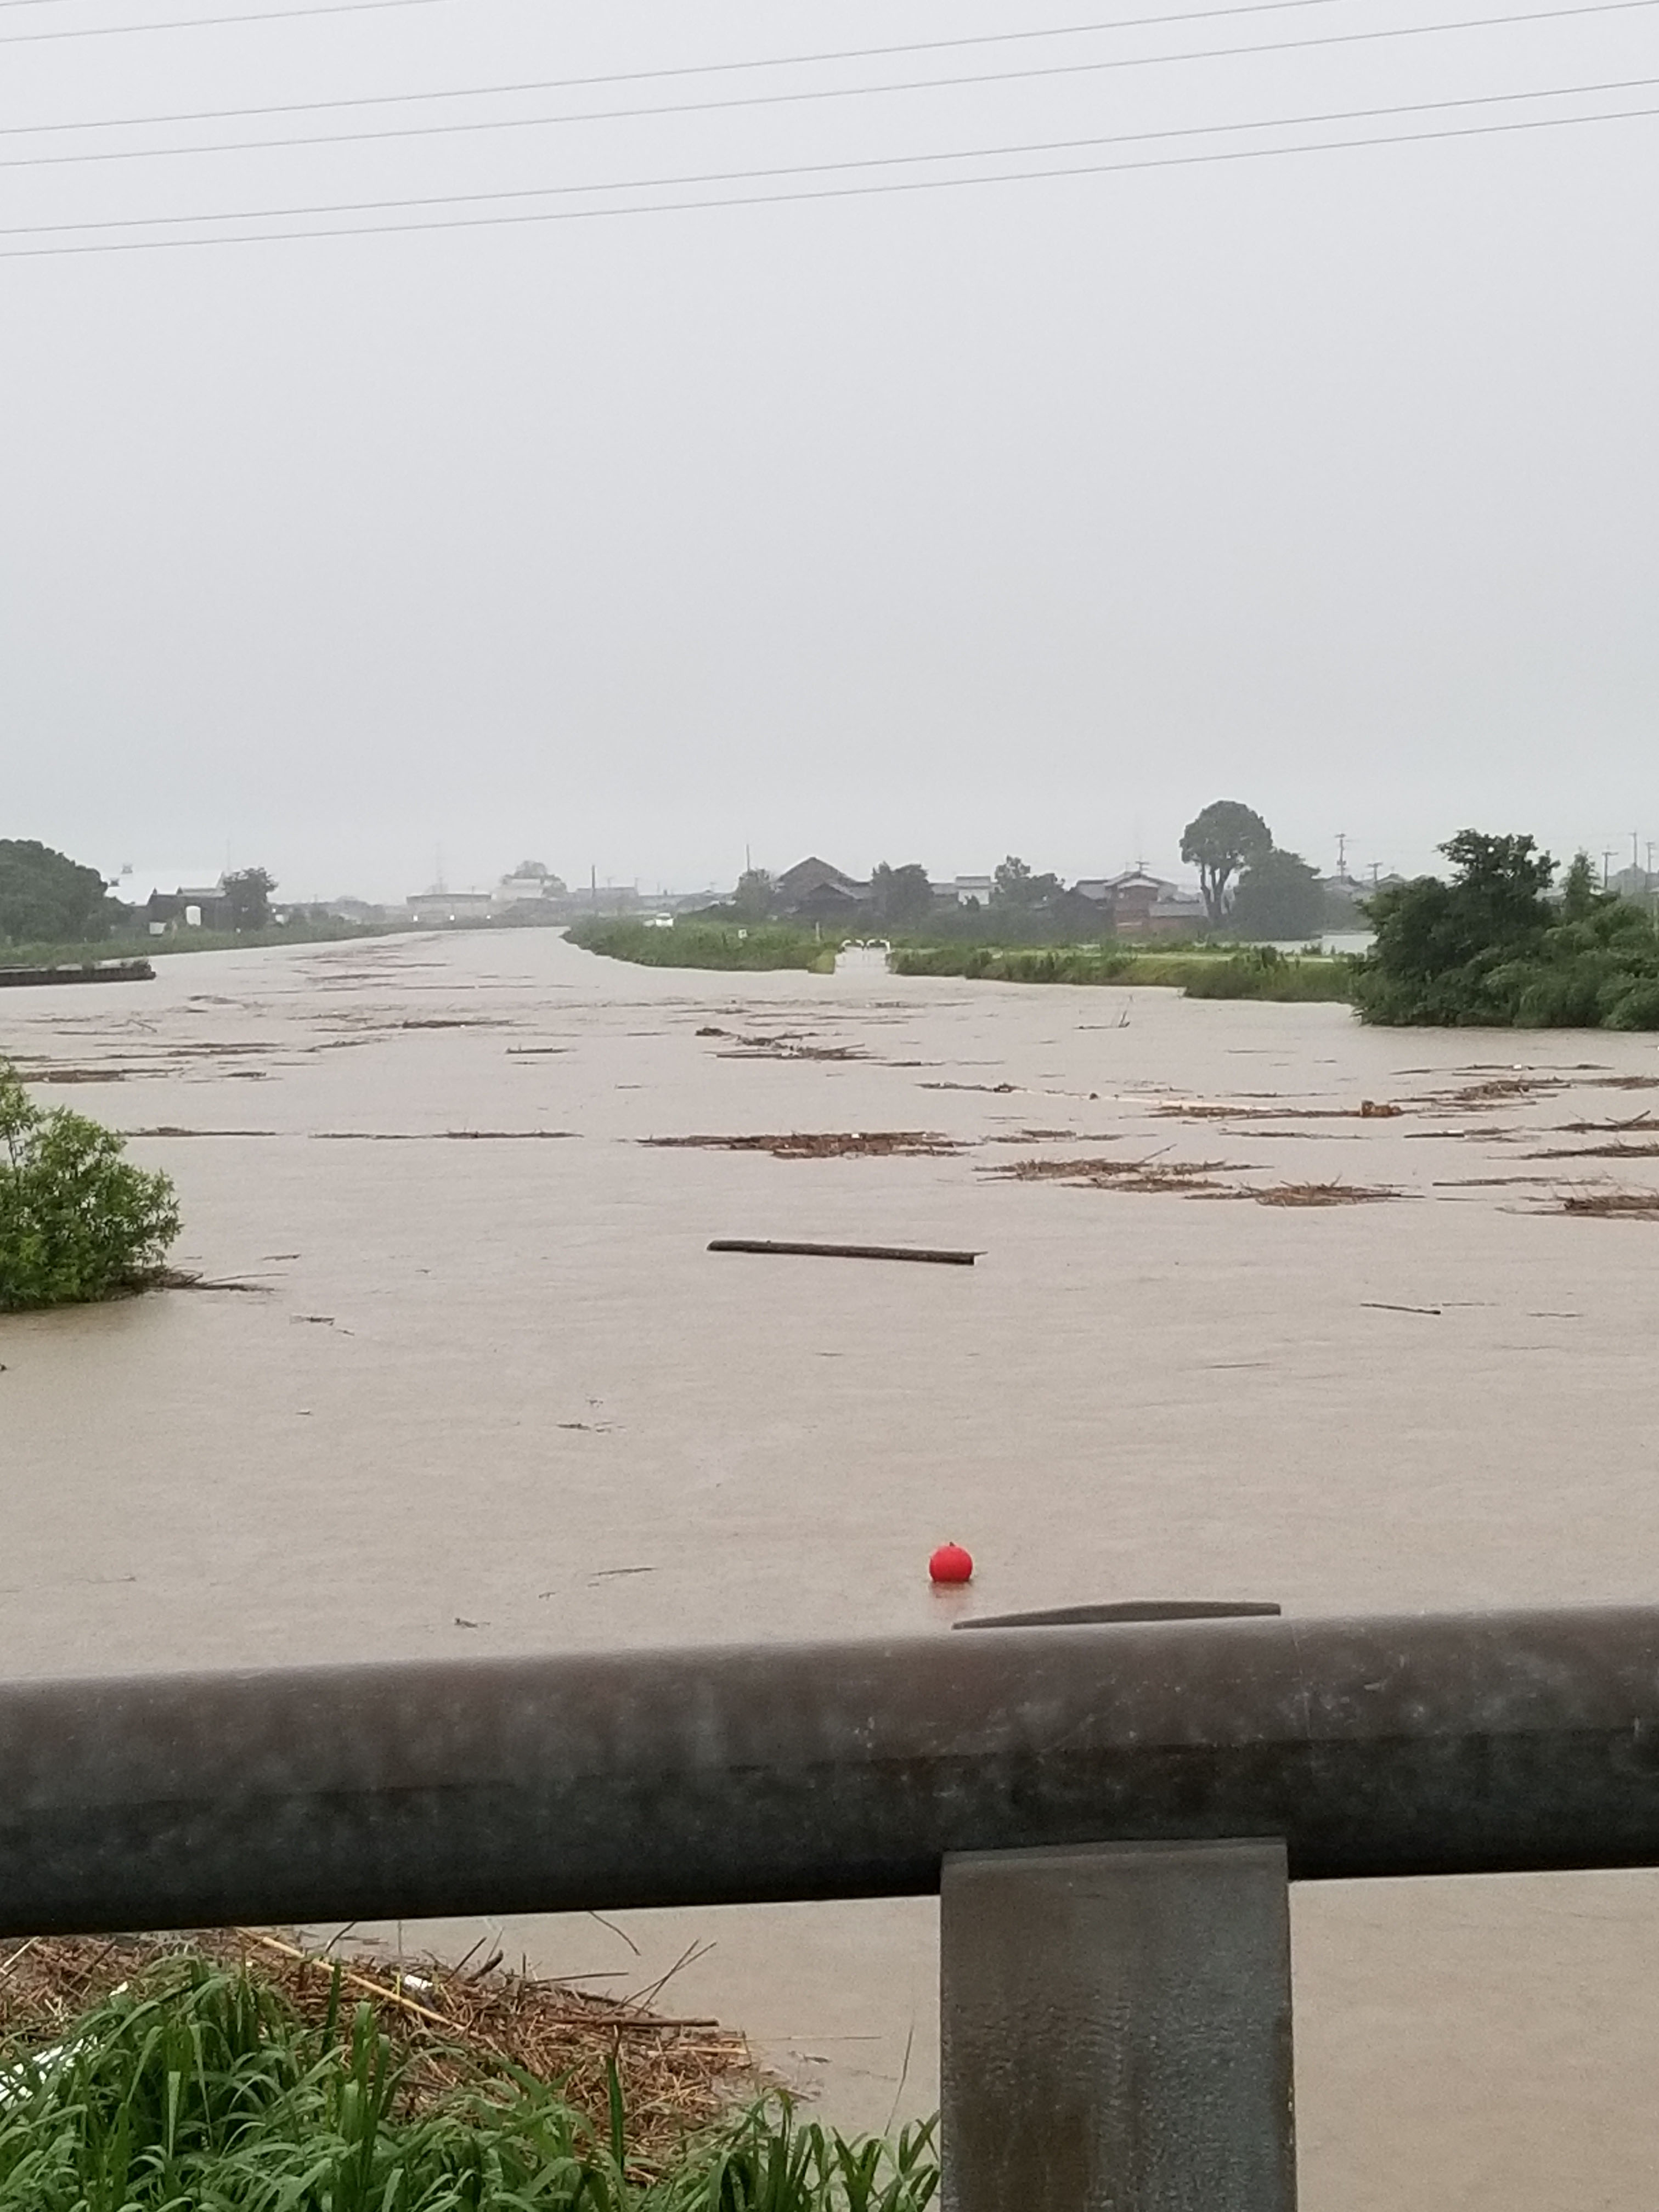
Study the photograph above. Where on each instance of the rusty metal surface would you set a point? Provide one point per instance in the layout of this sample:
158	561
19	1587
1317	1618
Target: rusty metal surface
1399	1746
1116	2030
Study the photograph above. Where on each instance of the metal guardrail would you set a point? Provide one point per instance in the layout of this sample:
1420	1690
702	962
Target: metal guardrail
1111	1811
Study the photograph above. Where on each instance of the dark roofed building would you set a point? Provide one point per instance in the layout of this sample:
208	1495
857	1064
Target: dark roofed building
812	890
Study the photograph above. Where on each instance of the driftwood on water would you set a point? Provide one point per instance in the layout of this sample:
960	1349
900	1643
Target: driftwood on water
943	1259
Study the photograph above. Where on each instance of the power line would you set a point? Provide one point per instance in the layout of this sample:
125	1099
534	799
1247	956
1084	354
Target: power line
790	99
645	76
841	167
199	23
835	192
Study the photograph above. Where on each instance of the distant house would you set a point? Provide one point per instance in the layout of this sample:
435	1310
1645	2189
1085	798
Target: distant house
812	890
348	909
530	884
441	910
966	890
1139	904
200	905
160	898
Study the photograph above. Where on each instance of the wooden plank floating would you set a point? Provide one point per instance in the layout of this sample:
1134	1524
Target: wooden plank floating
940	1259
79	971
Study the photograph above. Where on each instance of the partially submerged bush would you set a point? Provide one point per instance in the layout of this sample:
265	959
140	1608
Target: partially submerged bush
78	1221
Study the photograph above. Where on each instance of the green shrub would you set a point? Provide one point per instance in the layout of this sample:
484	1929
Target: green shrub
1636	1007
701	943
1264	972
1489	950
77	1221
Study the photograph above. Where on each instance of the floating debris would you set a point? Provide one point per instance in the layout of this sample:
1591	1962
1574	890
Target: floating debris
439	1136
1185	1177
1611	1205
1324	1193
786	1048
1617	1150
1207	1110
942	1258
823	1143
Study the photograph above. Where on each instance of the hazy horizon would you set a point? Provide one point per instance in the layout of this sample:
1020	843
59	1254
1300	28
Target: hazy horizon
1027	516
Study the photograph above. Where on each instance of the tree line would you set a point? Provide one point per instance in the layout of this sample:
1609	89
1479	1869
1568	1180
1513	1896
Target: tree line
46	898
1251	887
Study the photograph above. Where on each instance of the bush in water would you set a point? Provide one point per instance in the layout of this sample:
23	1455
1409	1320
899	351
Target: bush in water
78	1221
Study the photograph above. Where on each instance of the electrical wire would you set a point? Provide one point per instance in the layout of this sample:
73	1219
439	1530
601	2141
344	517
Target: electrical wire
198	23
642	77
788	98
834	193
862	162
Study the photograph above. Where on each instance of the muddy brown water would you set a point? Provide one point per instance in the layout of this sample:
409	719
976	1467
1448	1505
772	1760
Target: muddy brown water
498	1397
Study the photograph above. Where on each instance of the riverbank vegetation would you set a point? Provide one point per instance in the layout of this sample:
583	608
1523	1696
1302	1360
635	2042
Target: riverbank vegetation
696	942
191	2082
47	896
1221	972
78	1221
1253	972
54	951
1492	949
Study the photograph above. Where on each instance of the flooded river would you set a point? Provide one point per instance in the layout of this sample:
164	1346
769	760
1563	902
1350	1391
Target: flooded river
491	1394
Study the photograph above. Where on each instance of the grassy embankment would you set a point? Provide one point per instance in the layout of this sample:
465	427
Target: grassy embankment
197	2085
758	944
1222	972
135	947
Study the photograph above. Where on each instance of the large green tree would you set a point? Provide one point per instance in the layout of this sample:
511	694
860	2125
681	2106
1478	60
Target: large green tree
1014	886
756	894
1225	838
47	898
1279	895
249	890
901	896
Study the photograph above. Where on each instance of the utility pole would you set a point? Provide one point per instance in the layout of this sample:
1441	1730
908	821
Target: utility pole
1376	870
1342	855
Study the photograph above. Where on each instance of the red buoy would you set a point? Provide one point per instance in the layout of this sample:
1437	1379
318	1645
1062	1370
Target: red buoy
951	1564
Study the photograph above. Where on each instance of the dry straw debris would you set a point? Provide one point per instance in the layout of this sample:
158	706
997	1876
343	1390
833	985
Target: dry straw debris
1183	1177
454	2024
1324	1193
1623	1205
1369	1110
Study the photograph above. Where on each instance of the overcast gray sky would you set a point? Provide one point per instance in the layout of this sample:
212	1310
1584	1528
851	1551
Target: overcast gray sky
928	525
